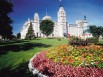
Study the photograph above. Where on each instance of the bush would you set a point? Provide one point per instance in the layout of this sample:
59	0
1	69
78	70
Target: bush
77	41
92	40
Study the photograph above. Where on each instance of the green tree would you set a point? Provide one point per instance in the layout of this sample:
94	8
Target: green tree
5	21
46	27
30	34
18	35
13	37
96	31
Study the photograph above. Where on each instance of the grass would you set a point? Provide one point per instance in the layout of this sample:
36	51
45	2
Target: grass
100	42
15	55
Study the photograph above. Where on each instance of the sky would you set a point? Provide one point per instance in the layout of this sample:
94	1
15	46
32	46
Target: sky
75	10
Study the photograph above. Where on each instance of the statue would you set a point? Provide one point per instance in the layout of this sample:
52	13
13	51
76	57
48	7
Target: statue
84	17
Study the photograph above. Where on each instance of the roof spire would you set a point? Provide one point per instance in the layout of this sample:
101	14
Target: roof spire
46	12
60	3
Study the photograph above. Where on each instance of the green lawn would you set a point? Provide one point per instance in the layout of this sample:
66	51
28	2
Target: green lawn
15	55
101	42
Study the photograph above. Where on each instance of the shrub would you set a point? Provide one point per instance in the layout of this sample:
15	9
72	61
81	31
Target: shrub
77	41
92	40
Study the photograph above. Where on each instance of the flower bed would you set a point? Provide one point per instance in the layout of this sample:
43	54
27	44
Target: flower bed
68	61
77	56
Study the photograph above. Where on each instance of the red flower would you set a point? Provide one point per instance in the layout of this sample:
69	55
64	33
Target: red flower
70	60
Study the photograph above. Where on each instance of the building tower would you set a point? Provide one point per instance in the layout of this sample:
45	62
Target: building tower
36	24
36	17
61	15
62	21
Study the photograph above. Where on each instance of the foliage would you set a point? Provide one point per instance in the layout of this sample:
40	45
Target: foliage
5	20
46	27
18	35
95	30
77	56
73	40
30	34
13	59
55	69
100	43
92	40
13	37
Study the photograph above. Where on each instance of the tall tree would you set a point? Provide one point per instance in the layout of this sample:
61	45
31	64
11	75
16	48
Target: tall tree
46	27
18	35
96	31
5	21
30	34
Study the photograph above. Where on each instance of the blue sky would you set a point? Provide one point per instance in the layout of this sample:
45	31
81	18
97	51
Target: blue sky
75	9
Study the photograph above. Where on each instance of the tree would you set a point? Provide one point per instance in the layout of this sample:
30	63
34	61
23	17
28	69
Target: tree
46	27
30	34
96	31
18	35
5	20
13	37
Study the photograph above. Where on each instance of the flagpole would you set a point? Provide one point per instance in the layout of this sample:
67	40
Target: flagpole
60	2
46	12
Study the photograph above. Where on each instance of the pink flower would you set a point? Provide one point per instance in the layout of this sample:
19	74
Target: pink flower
96	63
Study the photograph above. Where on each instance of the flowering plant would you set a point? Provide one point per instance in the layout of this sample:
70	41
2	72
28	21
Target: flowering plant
47	67
70	61
91	55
